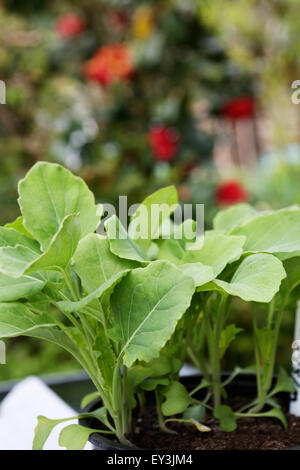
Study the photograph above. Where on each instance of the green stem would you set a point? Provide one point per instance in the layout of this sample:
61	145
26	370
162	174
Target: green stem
160	416
213	338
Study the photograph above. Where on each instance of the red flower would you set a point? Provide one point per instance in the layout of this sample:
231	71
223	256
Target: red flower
239	108
230	192
163	142
109	64
69	25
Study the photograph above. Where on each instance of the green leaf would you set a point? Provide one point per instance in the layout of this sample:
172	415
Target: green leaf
11	237
272	232
89	398
195	412
165	200
61	248
276	413
95	264
284	383
121	244
43	431
105	356
46	425
24	287
257	278
17	320
172	250
48	194
227	336
217	251
177	399
68	306
199	272
226	417
146	305
182	238
15	260
19	227
155	368
229	218
292	280
19	260
74	437
152	384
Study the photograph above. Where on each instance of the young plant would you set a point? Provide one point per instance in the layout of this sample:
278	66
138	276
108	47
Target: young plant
244	251
102	299
130	306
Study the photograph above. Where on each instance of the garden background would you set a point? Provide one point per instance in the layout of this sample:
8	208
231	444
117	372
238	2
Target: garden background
135	95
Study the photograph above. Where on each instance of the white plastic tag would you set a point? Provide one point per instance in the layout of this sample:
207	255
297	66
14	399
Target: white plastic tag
295	397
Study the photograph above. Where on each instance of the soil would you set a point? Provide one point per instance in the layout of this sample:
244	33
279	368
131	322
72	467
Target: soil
251	434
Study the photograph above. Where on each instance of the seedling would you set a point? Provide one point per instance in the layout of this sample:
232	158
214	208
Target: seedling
130	309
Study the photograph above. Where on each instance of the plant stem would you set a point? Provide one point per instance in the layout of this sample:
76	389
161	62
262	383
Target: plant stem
213	339
160	416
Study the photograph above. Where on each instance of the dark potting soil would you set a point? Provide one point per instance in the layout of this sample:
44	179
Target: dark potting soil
251	434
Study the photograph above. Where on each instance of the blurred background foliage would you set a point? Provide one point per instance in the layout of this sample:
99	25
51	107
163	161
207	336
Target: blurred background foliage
134	95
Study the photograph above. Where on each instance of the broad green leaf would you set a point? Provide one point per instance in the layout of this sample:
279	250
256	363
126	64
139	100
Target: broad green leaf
62	247
177	399
15	260
217	251
45	426
284	383
17	320
43	430
257	278
171	250
226	417
9	237
227	336
95	264
199	272
19	227
121	244
48	194
272	232
151	213
68	306
75	437
19	260
146	305
23	287
229	218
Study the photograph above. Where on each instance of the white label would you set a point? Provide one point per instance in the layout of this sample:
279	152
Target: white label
2	92
295	397
2	353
